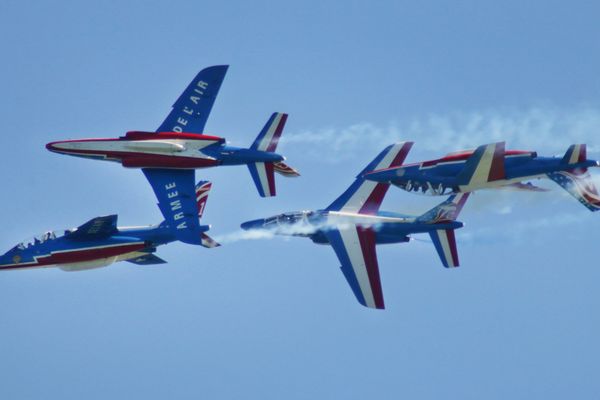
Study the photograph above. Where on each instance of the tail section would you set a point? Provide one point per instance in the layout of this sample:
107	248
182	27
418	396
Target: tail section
267	140
577	181
486	164
444	239
363	196
446	211
202	191
575	154
445	244
263	175
579	184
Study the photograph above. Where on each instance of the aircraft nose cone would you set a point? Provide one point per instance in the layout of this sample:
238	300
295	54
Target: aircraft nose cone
57	147
254	224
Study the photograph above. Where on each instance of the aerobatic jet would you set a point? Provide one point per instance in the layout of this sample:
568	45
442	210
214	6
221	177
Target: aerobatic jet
179	145
491	166
353	226
99	242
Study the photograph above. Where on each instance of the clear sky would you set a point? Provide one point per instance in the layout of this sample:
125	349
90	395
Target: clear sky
274	319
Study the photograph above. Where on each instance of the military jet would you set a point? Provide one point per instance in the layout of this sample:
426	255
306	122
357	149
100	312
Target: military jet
99	242
353	226
491	166
179	145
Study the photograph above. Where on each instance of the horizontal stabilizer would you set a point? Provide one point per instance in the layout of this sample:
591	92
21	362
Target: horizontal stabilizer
147	259
580	185
94	229
486	164
445	244
263	175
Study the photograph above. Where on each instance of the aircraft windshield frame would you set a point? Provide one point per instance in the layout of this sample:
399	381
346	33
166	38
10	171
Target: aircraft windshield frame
41	238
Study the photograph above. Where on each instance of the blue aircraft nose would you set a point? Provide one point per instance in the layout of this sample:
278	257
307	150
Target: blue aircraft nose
254	224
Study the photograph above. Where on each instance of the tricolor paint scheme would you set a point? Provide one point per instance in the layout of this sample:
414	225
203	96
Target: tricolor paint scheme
353	226
99	242
180	145
491	166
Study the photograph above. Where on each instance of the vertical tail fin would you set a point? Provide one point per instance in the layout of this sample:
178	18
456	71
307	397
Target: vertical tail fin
363	196
267	140
486	164
575	154
202	191
445	211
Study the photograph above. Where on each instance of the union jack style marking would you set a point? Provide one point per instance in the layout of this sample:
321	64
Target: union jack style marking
202	190
580	185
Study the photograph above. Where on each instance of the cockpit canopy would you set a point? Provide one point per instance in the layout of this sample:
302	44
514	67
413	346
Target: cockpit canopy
288	218
42	238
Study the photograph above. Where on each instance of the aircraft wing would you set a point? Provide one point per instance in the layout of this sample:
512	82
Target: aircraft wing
192	108
363	196
96	228
176	194
355	248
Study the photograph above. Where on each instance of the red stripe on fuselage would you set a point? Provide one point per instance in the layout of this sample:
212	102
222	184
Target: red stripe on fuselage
74	256
145	160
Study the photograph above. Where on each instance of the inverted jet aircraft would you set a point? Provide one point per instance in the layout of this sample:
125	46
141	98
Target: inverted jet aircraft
490	166
179	146
353	226
99	242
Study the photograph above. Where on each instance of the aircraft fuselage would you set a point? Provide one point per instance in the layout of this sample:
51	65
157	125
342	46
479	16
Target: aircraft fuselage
163	150
78	255
438	177
388	227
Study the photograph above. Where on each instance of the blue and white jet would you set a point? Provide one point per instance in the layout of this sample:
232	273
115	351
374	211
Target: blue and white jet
169	156
491	166
353	226
99	242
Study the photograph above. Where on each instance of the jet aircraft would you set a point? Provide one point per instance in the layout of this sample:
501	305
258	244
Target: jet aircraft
179	145
99	242
490	166
353	225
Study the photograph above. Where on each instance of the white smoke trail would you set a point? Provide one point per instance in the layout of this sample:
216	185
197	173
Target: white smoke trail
548	130
521	232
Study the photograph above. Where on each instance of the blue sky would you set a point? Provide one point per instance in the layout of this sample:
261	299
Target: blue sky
274	318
